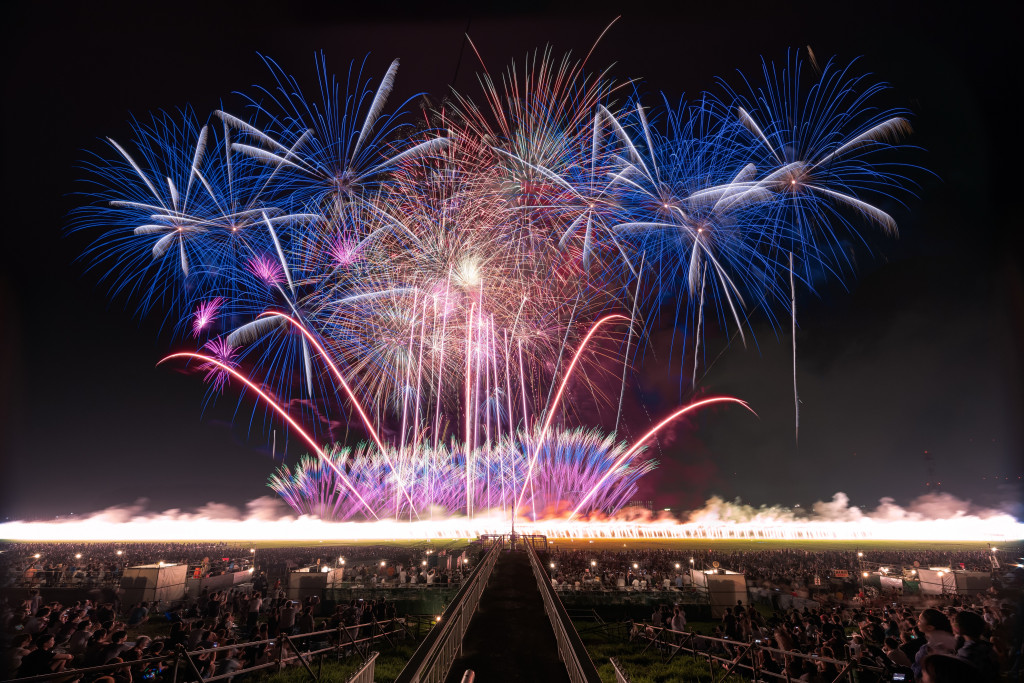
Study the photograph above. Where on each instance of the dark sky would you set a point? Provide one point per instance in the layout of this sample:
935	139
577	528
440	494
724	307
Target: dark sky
920	352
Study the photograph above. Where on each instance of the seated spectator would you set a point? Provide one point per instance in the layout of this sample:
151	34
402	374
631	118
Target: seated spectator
43	659
975	651
938	634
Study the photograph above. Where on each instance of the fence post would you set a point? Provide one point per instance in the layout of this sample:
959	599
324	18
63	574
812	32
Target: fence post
192	665
301	658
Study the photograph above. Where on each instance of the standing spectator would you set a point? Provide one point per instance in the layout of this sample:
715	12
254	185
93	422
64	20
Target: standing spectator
306	622
255	604
287	622
679	619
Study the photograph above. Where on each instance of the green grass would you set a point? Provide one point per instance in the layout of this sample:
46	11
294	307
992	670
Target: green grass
389	664
642	667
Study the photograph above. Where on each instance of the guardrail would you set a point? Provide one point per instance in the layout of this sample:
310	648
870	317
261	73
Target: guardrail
698	646
365	672
571	650
435	656
187	666
620	675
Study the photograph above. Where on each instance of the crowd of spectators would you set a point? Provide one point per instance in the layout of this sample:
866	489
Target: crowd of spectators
924	637
798	572
101	565
41	635
231	630
955	643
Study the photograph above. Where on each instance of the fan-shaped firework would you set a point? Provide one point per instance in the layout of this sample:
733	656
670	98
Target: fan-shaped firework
570	464
452	284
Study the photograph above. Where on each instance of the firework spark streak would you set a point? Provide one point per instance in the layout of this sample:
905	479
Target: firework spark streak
209	360
441	272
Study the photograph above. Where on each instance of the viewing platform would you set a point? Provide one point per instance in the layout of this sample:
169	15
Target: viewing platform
510	637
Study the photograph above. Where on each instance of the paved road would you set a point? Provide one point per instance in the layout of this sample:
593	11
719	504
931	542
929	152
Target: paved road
510	637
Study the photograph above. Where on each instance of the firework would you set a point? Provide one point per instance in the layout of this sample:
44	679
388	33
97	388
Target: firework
465	285
571	465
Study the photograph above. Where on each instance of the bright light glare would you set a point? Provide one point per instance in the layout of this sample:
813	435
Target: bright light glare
177	527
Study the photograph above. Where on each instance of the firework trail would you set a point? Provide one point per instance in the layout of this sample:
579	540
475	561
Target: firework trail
330	255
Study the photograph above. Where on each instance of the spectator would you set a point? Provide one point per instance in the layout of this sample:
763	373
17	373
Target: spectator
43	659
940	668
975	651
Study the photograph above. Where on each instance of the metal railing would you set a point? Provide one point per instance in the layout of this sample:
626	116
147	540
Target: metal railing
442	646
365	672
699	646
620	675
571	650
187	666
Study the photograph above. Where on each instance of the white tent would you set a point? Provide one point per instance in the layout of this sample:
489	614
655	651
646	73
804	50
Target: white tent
936	580
723	588
154	583
313	581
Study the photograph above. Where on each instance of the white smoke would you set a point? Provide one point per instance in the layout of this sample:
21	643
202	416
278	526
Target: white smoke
931	517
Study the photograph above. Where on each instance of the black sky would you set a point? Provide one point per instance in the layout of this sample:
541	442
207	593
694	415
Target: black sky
920	352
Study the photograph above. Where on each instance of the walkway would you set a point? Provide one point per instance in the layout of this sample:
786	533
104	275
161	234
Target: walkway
510	637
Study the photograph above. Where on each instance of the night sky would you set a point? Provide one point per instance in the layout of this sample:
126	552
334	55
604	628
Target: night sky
921	351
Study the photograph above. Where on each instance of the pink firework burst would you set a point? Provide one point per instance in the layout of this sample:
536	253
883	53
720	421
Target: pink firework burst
343	251
266	269
220	349
204	314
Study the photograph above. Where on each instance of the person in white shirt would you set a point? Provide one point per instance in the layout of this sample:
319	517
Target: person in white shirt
678	622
